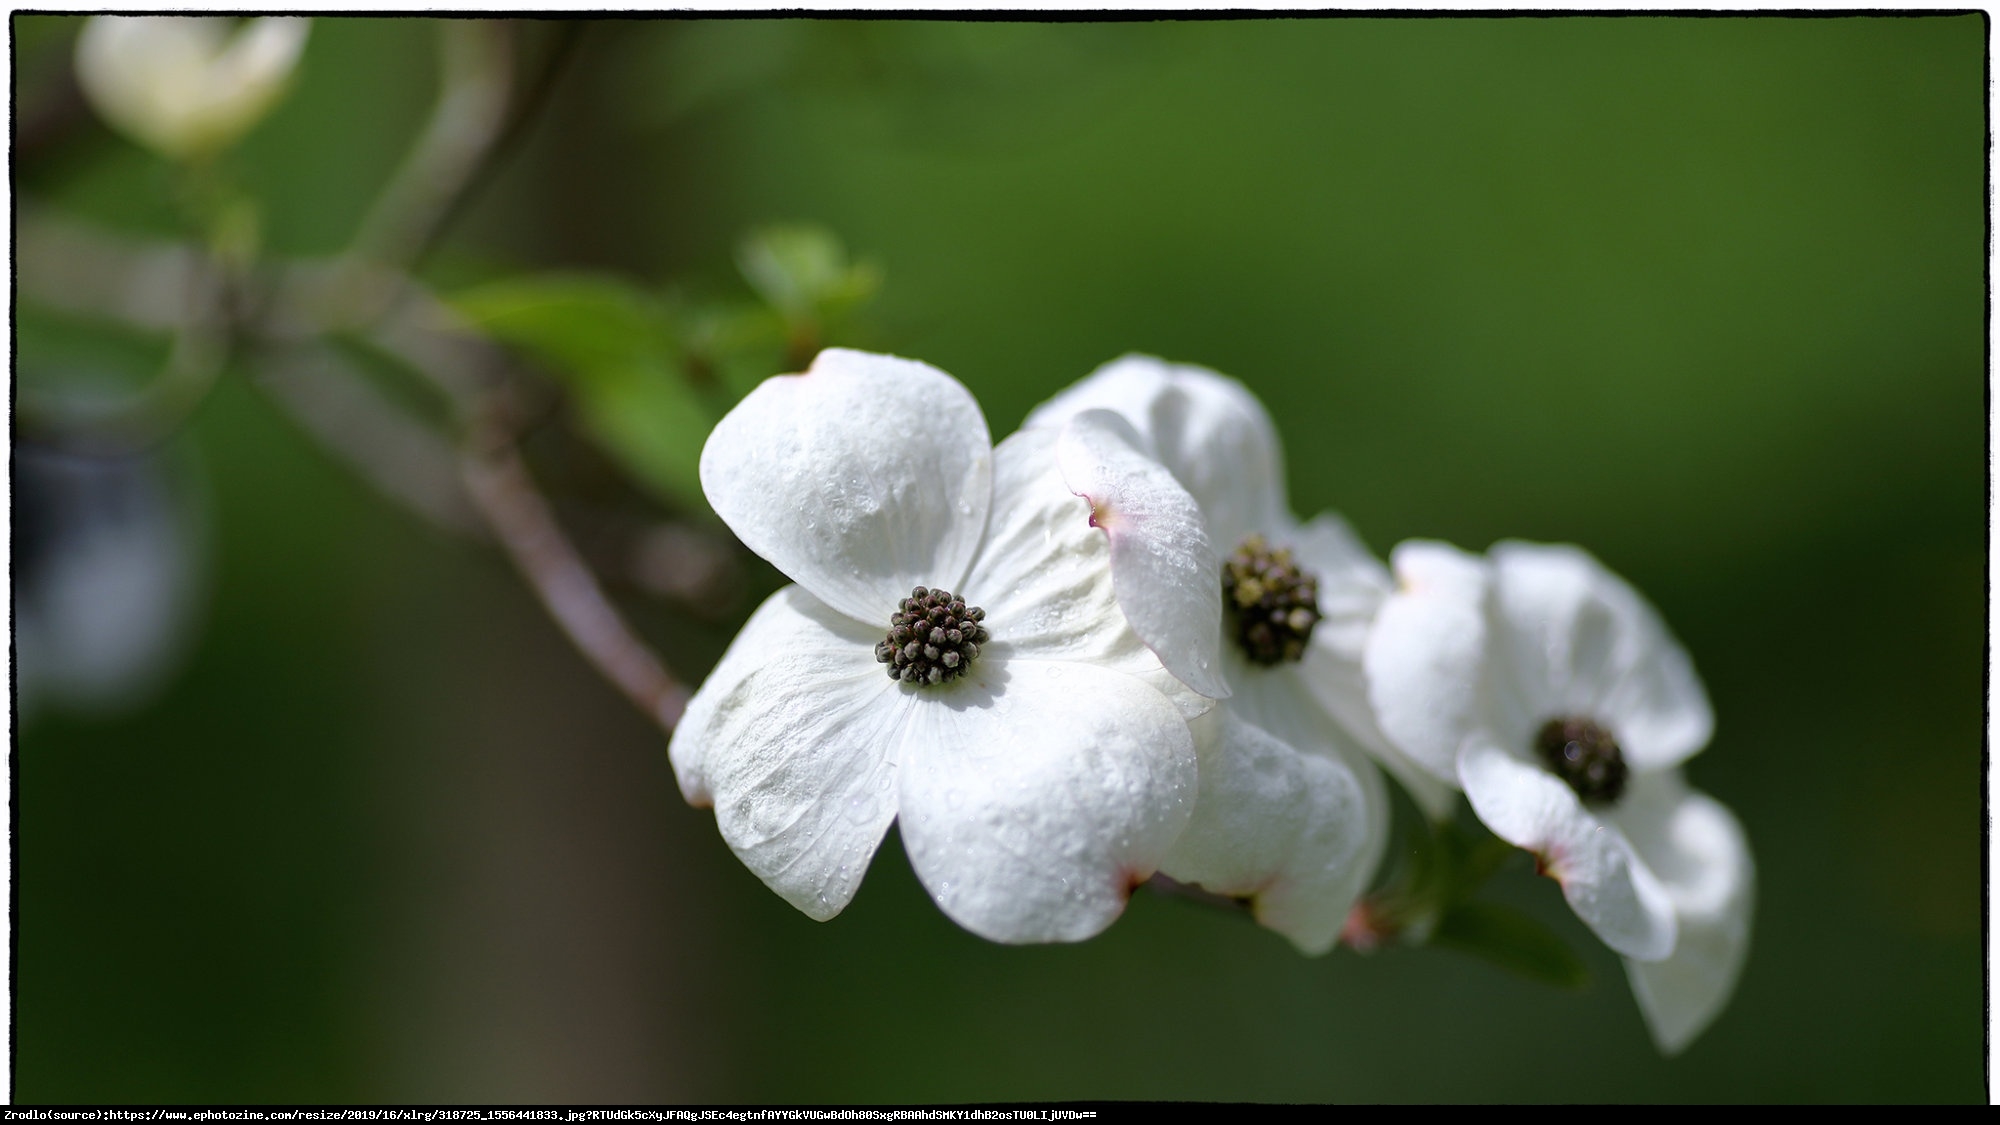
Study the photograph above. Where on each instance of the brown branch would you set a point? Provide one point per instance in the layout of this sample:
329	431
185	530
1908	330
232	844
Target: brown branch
526	527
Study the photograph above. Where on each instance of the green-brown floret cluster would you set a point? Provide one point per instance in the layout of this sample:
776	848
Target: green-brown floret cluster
1272	604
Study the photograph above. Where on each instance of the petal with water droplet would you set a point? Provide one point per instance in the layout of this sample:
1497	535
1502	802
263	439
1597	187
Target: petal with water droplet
777	467
792	740
1044	574
1068	798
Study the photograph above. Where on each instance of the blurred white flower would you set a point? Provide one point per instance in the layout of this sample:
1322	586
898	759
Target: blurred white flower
186	86
108	572
1554	695
966	652
1291	814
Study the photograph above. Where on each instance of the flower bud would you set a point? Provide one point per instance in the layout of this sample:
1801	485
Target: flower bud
186	86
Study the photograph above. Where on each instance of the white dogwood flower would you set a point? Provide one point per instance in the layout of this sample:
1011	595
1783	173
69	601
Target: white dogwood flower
186	86
1291	814
970	651
1551	691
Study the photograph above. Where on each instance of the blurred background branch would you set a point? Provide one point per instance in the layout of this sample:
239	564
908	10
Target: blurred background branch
485	489
475	74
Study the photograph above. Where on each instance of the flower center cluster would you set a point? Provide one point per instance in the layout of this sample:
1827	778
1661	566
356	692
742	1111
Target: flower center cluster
1272	604
933	637
1585	756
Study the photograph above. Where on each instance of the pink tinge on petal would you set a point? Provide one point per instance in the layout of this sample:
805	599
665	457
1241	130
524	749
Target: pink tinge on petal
1603	879
1163	568
1208	430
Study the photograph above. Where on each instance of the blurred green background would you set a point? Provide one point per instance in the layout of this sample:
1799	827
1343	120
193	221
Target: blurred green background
1704	295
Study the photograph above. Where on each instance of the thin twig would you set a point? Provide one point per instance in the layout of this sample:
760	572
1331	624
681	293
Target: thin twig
76	269
475	79
526	108
526	527
406	461
423	334
146	418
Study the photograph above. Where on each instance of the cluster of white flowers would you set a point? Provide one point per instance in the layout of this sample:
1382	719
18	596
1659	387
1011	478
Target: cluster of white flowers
1106	648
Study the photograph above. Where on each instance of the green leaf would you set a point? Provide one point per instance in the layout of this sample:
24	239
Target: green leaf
741	345
612	344
1511	940
804	273
579	323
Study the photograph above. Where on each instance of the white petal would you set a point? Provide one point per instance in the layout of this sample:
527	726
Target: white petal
1582	641
1352	580
1164	569
1352	588
861	479
1044	574
792	738
1425	655
1037	795
144	74
181	85
1699	853
1339	686
1207	429
1289	831
251	73
1601	876
1278	701
1129	385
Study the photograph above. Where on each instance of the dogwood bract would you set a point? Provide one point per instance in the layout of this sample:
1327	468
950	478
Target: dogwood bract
1551	691
185	86
983	646
1291	814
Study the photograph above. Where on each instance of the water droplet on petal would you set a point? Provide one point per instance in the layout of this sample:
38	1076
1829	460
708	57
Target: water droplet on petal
861	809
